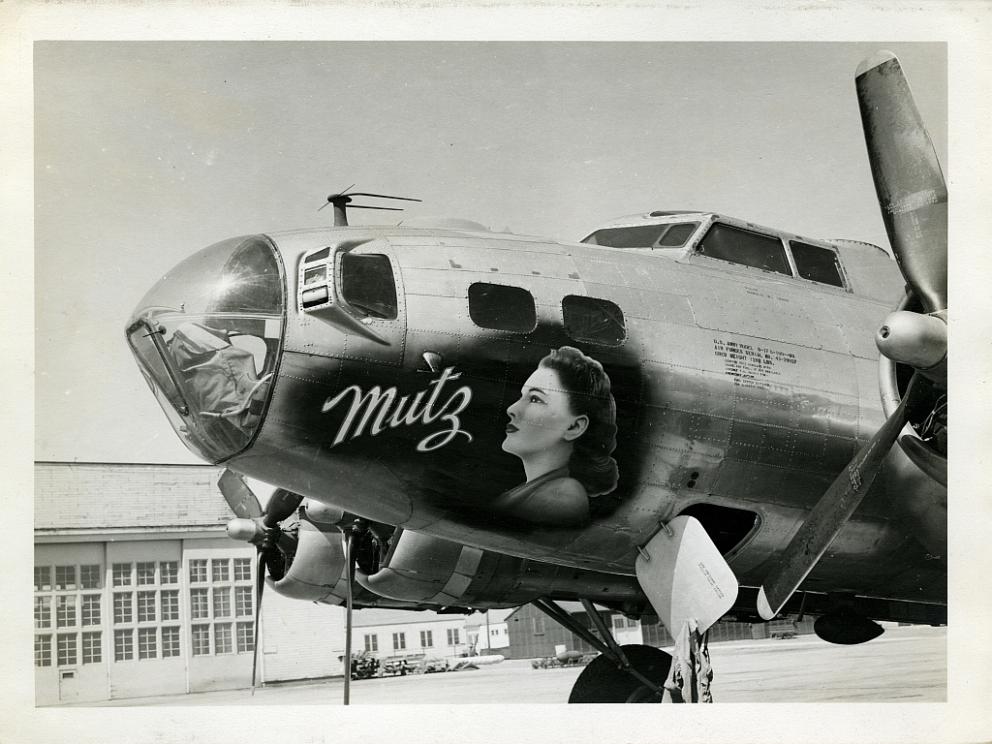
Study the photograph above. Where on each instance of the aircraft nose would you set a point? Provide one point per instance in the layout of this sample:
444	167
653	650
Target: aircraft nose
207	338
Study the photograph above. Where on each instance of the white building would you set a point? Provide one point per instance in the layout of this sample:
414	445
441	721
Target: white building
138	591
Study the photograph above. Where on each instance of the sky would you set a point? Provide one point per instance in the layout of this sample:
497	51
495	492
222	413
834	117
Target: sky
147	151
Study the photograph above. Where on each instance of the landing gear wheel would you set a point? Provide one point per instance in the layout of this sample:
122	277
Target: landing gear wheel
603	682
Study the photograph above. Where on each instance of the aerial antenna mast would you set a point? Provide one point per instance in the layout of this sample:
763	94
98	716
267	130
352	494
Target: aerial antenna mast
341	201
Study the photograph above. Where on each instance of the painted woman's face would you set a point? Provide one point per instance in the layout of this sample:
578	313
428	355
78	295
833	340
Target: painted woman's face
542	417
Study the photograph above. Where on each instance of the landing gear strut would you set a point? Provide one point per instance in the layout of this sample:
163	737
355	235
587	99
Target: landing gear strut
623	674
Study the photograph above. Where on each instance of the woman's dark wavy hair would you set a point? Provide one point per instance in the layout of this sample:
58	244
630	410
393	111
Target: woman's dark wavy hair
588	388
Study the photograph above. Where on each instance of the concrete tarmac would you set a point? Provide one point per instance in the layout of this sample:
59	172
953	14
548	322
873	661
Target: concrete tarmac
907	664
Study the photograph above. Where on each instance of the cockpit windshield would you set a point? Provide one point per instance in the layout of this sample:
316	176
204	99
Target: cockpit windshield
207	339
644	236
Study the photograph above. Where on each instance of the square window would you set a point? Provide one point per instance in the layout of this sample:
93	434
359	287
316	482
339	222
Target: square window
618	622
122	574
42	612
816	264
123	607
65	611
593	320
222	602
65	577
92	648
146	573
91	609
501	307
43	650
42	578
199	606
198	570
201	640
66	649
170	605
146	607
123	645
220	569
89	577
453	637
246	637
242	601
242	569
168	572
147	643
170	642
222	638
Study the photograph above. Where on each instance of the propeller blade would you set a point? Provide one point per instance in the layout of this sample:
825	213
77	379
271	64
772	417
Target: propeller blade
384	209
239	496
908	179
349	535
384	196
259	587
831	512
282	504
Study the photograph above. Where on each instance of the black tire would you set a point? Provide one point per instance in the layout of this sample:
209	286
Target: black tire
603	682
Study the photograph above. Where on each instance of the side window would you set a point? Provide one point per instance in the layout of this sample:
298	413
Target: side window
816	264
367	284
593	320
502	308
745	247
643	236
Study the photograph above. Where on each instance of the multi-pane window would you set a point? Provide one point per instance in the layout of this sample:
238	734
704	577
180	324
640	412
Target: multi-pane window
91	609
222	601
220	569
222	638
199	607
246	637
242	601
123	645
170	605
65	611
201	640
43	650
538	625
426	638
146	607
43	612
453	637
168	572
123	608
371	642
399	641
66	649
170	642
42	578
122	574
147	643
89	577
227	593
198	570
65	577
242	569
92	649
146	573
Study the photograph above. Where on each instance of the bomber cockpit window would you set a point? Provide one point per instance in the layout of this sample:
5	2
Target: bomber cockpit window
816	264
643	236
501	307
745	247
593	320
367	284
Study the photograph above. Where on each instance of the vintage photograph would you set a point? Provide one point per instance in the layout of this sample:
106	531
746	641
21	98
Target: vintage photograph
462	372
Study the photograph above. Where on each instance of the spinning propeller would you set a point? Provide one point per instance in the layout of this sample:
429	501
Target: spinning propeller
913	200
260	528
343	199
